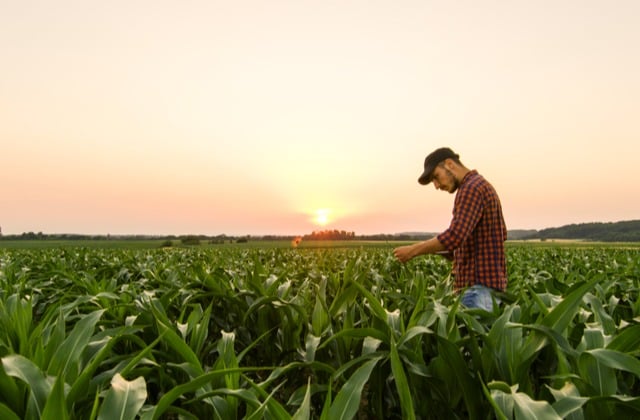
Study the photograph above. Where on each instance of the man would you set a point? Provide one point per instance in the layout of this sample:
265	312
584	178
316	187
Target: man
476	235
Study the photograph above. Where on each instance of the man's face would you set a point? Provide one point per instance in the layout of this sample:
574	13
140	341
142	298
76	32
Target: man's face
443	179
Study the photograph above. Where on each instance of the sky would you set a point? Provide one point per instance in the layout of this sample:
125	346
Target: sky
285	117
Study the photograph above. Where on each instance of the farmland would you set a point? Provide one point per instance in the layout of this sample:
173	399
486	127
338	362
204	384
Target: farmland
246	331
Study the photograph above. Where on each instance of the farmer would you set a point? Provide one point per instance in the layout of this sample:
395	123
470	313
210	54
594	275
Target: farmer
475	238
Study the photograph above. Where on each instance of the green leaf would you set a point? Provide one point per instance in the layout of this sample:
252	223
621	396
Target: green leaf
124	400
374	303
520	404
273	407
326	407
56	408
461	374
597	374
9	391
527	408
358	333
602	317
175	341
563	313
304	411
621	400
498	408
558	319
344	298
616	360
345	406
227	359
402	385
66	360
192	386
568	401
81	386
7	414
319	318
24	369
627	340
311	345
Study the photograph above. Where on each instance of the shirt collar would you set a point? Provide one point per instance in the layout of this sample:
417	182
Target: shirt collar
469	174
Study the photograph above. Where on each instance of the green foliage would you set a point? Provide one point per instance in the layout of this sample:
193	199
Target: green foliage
233	332
624	231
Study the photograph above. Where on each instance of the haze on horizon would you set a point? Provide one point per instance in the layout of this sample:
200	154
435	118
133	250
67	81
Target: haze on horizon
286	117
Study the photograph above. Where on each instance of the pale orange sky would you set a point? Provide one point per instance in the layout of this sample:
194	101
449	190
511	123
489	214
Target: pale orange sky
247	117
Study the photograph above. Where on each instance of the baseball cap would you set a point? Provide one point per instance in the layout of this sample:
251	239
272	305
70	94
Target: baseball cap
432	160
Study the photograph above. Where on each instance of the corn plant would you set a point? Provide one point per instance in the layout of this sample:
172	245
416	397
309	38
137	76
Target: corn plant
233	332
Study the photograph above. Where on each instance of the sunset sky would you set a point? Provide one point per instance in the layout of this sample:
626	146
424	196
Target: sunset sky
270	117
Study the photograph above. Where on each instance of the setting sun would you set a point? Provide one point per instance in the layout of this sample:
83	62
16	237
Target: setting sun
322	216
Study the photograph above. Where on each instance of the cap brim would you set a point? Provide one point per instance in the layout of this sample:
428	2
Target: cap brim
425	178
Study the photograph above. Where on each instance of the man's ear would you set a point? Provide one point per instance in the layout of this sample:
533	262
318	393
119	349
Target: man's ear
449	164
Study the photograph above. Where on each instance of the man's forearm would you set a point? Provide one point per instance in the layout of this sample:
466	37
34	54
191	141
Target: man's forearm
430	246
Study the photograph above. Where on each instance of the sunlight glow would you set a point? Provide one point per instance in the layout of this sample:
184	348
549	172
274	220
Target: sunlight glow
322	216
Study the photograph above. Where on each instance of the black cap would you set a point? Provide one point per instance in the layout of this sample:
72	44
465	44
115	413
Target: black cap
433	160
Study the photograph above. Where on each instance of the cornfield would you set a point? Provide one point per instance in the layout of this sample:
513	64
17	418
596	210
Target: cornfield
340	333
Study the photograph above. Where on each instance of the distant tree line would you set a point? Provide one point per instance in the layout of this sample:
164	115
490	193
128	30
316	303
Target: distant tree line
396	237
187	239
222	239
625	231
334	235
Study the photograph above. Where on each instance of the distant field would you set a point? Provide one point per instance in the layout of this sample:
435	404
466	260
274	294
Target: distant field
85	243
158	243
572	243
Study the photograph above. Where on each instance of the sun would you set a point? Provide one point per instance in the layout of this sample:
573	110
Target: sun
322	217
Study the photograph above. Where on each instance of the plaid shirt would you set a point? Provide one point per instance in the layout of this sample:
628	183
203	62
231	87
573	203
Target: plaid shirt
476	235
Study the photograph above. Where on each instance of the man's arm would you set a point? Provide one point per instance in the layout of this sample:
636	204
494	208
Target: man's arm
430	246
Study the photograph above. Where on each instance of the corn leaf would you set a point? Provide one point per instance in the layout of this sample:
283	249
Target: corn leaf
7	414
345	406
66	360
319	317
628	340
24	369
402	385
615	360
55	408
519	404
374	303
459	372
124	400
9	390
601	377
304	411
568	401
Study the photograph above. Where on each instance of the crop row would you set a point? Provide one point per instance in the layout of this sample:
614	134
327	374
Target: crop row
326	333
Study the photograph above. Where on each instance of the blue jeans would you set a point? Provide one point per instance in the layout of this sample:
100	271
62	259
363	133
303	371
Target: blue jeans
478	297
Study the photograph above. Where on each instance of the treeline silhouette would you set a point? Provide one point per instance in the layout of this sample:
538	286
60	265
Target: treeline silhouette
334	235
624	231
220	239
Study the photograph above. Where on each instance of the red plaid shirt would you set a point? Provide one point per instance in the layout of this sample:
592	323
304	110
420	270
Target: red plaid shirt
476	235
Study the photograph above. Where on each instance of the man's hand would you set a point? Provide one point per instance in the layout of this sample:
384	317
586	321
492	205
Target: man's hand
430	246
404	253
